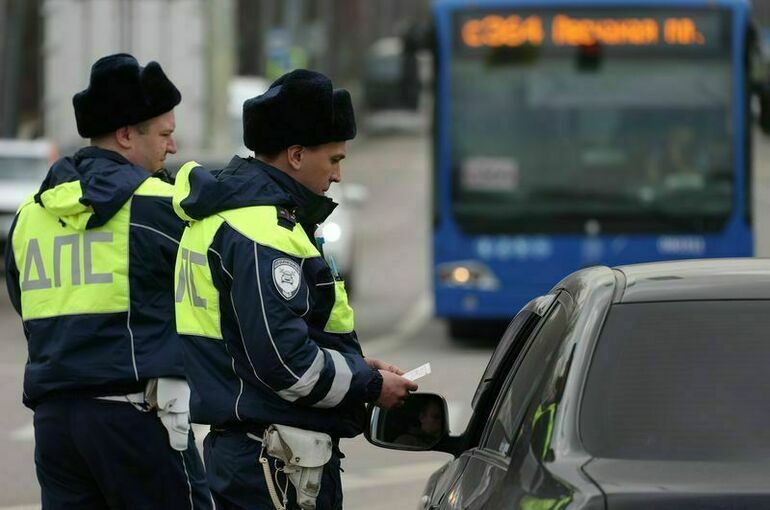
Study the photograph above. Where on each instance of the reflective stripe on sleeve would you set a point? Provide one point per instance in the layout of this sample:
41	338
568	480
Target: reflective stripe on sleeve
307	382
342	379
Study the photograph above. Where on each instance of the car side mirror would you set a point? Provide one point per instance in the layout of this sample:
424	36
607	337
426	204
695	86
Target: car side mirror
419	425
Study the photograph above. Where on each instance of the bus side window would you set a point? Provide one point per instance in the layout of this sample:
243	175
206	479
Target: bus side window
758	62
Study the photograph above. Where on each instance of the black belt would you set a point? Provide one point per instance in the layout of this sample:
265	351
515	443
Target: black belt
107	390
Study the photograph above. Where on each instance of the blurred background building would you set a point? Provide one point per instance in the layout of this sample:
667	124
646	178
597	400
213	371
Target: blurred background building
48	46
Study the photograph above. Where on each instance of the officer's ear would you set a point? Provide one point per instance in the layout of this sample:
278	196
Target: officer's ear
123	137
294	155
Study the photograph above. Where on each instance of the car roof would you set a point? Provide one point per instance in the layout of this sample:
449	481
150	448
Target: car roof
693	280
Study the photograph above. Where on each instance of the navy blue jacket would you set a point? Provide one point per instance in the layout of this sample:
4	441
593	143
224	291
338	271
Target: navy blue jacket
269	334
89	267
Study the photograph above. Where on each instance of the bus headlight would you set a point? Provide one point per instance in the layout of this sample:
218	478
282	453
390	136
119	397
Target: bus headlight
468	274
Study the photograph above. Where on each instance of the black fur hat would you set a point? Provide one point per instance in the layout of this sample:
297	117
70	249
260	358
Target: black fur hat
122	93
299	108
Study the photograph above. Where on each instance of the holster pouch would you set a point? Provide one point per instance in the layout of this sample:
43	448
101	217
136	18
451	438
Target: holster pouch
304	454
171	398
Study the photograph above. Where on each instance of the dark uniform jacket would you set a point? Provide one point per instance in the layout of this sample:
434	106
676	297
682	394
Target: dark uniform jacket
89	267
268	329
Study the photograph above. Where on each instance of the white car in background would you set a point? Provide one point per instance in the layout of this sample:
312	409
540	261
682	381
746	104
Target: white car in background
23	165
338	231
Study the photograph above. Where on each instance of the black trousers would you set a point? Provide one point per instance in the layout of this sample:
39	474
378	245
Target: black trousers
237	481
94	454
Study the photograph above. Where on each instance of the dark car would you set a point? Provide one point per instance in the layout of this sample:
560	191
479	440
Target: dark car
644	386
391	78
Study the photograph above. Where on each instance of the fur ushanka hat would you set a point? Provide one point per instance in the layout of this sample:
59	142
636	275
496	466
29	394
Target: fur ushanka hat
299	108
122	93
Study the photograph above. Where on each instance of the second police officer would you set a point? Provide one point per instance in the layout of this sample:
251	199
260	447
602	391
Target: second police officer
89	267
267	329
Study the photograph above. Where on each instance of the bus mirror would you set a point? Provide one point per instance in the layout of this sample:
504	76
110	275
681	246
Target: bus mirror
764	108
589	57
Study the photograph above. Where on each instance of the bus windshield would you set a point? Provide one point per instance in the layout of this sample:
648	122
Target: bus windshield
547	136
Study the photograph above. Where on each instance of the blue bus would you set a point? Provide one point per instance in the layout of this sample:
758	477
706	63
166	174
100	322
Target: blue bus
569	133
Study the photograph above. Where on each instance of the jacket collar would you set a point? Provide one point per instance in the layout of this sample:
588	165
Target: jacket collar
106	180
92	152
310	207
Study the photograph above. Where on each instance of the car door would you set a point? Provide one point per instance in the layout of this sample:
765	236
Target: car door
520	413
513	341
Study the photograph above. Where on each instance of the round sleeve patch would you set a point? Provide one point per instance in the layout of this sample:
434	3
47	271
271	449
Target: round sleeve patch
286	277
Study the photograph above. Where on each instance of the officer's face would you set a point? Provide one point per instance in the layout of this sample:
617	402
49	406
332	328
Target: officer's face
152	141
320	166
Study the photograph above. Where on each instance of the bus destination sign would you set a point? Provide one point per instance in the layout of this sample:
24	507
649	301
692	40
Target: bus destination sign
569	30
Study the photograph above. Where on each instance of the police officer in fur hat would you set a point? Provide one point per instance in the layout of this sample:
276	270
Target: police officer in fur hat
89	269
267	330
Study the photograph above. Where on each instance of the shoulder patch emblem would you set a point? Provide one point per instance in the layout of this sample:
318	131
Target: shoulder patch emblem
286	277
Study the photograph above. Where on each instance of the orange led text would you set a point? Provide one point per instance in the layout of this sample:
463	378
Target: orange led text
496	31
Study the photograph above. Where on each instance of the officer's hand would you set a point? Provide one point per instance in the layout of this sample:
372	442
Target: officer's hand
381	365
394	391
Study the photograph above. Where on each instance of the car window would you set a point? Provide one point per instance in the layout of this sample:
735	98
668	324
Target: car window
511	343
529	381
680	381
